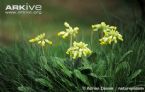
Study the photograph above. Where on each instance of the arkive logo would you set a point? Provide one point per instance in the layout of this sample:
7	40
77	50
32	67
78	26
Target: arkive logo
23	9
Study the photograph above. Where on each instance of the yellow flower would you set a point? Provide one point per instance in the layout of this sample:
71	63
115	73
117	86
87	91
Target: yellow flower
110	36
41	40
101	26
79	50
110	33
32	40
69	31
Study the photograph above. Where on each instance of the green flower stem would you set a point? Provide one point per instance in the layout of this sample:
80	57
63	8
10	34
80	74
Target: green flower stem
43	53
101	34
92	39
42	50
71	40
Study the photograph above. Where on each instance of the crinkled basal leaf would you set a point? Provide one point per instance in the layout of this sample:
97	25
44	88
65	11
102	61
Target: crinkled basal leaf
85	70
102	79
86	62
135	74
67	82
44	65
81	77
123	67
44	82
25	89
100	67
59	63
125	55
31	73
66	71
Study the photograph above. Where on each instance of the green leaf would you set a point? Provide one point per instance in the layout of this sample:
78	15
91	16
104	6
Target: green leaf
100	78
66	71
44	82
25	89
44	65
82	77
59	64
135	74
125	55
85	70
100	67
49	69
93	57
67	82
123	66
31	73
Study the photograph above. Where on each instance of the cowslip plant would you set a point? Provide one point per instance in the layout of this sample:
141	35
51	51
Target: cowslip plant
110	33
78	50
41	40
59	73
69	32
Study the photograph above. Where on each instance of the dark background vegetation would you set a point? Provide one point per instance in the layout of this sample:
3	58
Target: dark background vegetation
77	12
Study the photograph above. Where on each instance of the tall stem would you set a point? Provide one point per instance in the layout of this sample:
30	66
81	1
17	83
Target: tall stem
101	34
43	53
92	39
71	39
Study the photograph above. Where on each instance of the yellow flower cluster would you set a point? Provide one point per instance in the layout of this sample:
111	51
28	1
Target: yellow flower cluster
101	26
110	36
69	31
78	50
110	33
41	40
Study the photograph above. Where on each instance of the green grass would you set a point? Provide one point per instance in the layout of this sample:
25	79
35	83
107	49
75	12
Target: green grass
24	67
